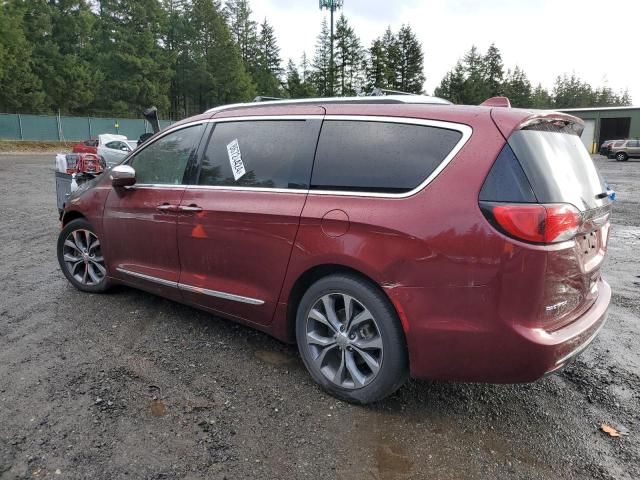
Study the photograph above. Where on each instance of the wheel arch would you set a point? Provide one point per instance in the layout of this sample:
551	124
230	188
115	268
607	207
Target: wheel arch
317	272
70	216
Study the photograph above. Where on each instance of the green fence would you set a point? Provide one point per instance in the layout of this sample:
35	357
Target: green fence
53	128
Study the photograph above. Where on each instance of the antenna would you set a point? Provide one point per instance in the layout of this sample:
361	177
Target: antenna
332	6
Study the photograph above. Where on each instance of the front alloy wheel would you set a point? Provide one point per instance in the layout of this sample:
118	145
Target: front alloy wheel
80	257
83	258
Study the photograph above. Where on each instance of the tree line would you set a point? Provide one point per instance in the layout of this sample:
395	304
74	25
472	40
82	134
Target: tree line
117	57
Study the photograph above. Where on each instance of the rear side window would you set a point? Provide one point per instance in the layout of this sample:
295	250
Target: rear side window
379	156
559	168
261	153
507	181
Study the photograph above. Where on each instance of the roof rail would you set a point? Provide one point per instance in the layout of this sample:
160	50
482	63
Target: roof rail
384	99
261	98
381	92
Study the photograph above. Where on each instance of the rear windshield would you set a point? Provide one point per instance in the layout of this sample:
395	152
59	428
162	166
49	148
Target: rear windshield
559	168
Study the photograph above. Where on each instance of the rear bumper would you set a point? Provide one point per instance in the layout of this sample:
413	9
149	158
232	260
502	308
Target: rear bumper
482	349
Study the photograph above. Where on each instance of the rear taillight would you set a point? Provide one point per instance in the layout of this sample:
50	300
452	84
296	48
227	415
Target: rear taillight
534	223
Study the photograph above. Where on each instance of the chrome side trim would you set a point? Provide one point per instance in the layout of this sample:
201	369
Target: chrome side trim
149	278
226	296
189	288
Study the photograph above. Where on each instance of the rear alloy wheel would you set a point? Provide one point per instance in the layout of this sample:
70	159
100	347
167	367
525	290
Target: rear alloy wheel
351	340
80	257
621	157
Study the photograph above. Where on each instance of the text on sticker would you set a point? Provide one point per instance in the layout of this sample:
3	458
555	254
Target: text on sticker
235	159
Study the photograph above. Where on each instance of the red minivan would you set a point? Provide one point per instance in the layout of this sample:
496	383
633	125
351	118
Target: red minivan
386	236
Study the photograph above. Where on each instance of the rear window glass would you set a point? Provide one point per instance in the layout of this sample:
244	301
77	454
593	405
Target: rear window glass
559	168
379	156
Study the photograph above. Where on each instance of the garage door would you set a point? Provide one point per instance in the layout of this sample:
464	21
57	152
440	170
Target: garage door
588	134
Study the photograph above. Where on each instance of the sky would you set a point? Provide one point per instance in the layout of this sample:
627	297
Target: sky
544	37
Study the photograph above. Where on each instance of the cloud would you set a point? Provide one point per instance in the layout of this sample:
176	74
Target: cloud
545	37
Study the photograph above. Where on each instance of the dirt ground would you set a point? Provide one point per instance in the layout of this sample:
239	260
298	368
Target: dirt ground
128	385
27	146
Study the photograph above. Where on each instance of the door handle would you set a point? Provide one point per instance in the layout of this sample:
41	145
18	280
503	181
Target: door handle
166	207
190	208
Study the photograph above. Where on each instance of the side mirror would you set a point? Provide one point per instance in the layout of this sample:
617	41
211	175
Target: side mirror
122	176
125	149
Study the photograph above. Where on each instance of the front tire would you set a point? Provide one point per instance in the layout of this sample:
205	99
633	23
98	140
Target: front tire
351	340
621	157
80	257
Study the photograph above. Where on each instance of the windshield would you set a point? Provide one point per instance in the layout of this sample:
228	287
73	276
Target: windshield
559	168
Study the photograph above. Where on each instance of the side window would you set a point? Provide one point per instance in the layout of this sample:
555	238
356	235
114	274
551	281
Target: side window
164	161
260	153
379	156
114	145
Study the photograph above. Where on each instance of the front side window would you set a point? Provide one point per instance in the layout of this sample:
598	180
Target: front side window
381	157
114	145
260	154
164	161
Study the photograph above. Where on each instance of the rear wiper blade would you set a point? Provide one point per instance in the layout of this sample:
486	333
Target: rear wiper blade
602	195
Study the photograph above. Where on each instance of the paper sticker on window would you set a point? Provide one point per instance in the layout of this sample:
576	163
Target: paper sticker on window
235	159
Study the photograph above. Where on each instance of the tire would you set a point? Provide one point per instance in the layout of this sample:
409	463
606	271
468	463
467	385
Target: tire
621	157
84	267
363	363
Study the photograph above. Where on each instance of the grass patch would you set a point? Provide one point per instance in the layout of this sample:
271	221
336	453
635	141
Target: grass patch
34	146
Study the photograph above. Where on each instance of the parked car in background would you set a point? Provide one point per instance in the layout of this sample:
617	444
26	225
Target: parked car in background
88	146
605	148
624	150
387	237
113	152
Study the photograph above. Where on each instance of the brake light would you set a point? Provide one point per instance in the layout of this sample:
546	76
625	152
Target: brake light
535	223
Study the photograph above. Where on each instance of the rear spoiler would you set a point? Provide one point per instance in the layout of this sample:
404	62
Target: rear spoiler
511	120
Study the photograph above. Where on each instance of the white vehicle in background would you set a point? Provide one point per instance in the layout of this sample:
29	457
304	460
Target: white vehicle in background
113	148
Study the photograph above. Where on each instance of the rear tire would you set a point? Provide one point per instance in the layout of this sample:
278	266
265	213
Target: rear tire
80	257
621	157
351	340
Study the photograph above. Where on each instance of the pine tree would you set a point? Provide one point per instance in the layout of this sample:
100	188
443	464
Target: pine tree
452	85
219	76
127	50
540	98
20	88
59	33
267	70
517	88
243	29
349	60
321	61
475	89
410	70
493	71
391	49
377	65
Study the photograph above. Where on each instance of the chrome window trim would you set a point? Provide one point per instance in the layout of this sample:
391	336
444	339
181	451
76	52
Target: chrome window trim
465	130
189	288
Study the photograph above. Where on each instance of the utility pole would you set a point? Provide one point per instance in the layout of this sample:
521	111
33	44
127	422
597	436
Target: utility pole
332	6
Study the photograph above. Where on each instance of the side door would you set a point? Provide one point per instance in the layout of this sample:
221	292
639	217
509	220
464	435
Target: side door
238	223
140	221
634	148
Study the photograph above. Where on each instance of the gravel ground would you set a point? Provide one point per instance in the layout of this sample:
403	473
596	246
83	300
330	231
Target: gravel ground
128	385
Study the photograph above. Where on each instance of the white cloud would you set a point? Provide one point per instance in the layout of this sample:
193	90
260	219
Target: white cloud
545	37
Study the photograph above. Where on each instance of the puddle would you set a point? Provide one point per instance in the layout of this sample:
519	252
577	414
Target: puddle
273	358
158	409
392	461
